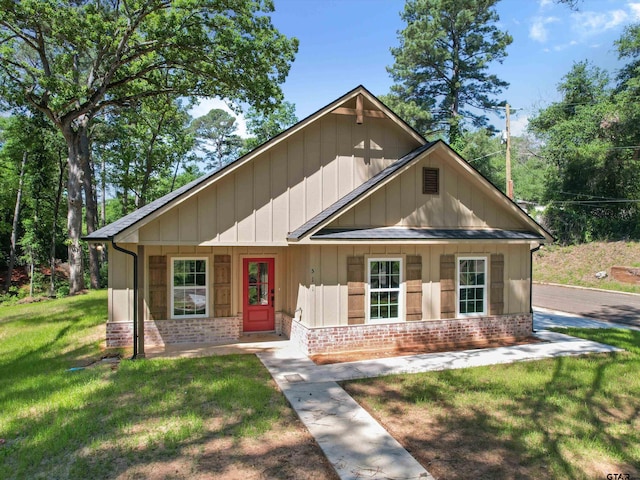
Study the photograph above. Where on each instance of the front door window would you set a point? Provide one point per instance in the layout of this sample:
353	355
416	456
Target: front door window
258	273
258	311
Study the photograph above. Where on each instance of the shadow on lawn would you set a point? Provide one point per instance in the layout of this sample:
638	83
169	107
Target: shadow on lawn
574	419
150	414
143	417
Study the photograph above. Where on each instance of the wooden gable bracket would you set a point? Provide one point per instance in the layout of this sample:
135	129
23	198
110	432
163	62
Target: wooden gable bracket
359	111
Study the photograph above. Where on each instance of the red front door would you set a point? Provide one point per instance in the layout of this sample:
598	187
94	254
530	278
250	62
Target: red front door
258	295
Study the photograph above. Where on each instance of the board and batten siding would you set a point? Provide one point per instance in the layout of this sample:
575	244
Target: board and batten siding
272	195
460	203
326	301
120	295
313	279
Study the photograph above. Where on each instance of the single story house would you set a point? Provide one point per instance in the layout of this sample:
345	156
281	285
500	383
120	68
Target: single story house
347	231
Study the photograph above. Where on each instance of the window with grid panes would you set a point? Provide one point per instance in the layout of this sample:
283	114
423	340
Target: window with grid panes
472	286
189	292
385	280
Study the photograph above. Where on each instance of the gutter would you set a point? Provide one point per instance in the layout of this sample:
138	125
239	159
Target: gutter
135	295
531	252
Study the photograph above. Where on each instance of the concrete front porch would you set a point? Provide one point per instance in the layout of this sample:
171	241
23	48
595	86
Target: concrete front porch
247	343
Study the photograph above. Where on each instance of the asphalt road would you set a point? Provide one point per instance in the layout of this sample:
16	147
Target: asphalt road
608	306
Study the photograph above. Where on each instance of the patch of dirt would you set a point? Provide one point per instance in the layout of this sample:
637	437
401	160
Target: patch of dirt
329	358
448	442
578	264
26	300
20	274
286	452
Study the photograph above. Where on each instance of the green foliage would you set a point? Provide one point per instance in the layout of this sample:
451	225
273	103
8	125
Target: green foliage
441	65
264	126
73	61
485	153
63	290
110	53
216	137
411	112
31	135
529	170
142	147
593	182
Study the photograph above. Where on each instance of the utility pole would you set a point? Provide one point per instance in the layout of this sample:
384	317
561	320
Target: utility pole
508	156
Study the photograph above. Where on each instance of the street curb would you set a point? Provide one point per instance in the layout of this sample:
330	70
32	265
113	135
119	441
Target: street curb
577	287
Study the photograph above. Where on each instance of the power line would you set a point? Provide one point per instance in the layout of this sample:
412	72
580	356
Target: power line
594	202
484	156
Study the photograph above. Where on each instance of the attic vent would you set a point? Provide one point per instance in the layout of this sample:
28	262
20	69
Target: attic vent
430	181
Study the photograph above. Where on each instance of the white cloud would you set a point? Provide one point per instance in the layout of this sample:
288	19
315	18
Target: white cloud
207	104
538	30
519	125
635	10
545	3
564	46
588	23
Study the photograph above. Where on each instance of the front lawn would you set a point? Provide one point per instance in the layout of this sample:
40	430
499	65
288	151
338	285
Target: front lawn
570	417
216	417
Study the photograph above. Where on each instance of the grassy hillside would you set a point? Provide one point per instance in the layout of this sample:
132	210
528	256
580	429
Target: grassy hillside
578	264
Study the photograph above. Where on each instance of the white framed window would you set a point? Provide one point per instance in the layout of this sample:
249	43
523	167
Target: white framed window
472	286
384	302
189	287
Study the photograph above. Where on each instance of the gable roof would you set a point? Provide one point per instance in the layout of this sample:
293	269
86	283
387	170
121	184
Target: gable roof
313	228
358	192
125	225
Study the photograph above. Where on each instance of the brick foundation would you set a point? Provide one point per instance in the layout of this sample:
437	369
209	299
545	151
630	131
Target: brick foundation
408	334
330	339
185	330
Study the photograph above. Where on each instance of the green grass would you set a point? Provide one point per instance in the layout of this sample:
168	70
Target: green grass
570	417
99	422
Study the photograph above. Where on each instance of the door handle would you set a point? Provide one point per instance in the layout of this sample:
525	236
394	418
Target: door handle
273	301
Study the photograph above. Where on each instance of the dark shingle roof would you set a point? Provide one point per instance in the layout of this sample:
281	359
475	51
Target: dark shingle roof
412	233
109	231
358	192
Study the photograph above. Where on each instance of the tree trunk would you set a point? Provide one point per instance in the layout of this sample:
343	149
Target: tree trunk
74	201
103	199
91	206
14	227
56	210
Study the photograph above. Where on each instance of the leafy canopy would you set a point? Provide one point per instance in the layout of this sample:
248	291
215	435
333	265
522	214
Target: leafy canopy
442	63
70	58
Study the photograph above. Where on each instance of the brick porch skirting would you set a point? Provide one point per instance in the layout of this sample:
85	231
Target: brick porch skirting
158	333
447	332
184	330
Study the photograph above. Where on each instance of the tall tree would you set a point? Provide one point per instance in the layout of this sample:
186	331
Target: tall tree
141	146
216	136
442	63
264	126
592	174
71	59
31	152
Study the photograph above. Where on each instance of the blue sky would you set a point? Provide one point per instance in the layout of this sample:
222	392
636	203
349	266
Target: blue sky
345	43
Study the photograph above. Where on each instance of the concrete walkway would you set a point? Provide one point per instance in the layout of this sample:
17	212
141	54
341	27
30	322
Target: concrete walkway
544	319
355	444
